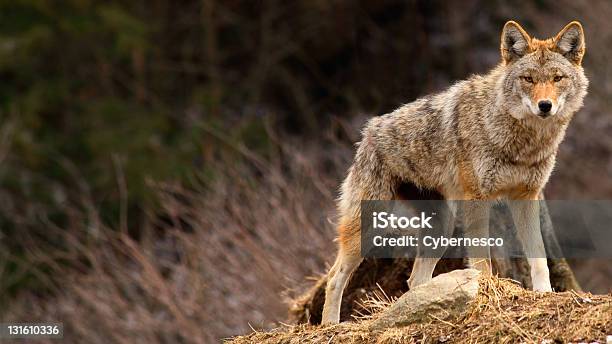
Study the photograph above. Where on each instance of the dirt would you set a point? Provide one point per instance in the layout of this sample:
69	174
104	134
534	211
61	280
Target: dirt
503	312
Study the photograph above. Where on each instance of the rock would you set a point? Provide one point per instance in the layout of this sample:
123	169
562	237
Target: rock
444	296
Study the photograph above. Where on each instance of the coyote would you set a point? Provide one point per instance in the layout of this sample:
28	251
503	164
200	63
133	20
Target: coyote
490	137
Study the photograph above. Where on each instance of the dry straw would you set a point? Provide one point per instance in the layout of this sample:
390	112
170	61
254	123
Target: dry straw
503	312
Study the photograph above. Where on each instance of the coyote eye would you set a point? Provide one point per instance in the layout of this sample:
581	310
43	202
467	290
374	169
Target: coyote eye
557	78
528	79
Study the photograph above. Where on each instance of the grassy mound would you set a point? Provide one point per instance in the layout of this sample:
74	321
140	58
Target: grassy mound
503	312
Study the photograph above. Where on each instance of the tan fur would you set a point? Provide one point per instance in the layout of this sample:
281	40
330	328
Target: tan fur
544	90
482	139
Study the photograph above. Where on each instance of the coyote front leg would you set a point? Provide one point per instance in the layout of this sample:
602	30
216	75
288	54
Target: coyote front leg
476	225
526	216
426	259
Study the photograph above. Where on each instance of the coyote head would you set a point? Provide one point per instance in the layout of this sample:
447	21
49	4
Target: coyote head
543	78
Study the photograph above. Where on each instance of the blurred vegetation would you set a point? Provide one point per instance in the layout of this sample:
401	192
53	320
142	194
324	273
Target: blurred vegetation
78	85
97	94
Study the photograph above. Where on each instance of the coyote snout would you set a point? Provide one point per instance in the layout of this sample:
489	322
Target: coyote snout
482	139
543	99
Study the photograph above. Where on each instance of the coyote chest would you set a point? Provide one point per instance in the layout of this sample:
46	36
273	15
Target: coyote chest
500	176
517	165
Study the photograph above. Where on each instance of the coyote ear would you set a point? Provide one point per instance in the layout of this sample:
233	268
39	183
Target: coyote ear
569	42
514	41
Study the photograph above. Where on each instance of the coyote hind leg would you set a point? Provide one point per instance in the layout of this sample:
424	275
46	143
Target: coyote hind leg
346	263
368	179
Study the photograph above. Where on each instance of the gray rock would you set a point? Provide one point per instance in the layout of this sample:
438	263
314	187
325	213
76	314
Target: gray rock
444	296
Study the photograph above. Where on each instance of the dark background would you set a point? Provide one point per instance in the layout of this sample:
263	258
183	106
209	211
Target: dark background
168	169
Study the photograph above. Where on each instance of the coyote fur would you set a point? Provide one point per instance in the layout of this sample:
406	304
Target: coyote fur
490	137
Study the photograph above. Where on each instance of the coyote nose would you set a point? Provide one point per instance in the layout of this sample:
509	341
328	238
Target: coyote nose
545	105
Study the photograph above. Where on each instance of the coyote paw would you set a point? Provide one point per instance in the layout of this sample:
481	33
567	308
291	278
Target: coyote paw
415	281
542	286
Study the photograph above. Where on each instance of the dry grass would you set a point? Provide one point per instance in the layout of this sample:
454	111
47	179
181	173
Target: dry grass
208	268
503	312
